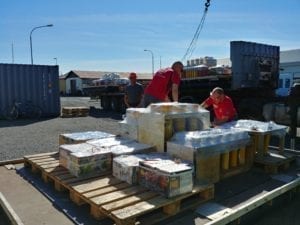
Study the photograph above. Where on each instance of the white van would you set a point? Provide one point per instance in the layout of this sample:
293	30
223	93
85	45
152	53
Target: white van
285	83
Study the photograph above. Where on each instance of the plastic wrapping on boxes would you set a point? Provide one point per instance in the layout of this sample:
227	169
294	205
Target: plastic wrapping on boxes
90	161
80	137
158	122
129	126
166	176
66	150
129	130
254	126
133	114
109	142
131	148
157	128
204	148
173	107
207	142
125	167
152	130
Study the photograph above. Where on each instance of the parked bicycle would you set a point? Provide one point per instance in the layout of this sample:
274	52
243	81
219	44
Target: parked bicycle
23	110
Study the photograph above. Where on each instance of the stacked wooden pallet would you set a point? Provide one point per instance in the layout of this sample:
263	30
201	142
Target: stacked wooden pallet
274	162
109	197
74	111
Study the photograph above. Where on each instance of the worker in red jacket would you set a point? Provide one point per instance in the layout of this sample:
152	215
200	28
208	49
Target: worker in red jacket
223	107
164	82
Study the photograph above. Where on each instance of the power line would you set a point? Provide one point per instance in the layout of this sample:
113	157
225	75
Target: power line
193	43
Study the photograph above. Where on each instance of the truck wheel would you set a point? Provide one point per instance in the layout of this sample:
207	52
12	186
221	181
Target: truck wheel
115	104
122	106
118	104
106	103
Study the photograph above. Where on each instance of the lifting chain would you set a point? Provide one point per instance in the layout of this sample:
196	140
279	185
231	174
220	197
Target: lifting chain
207	4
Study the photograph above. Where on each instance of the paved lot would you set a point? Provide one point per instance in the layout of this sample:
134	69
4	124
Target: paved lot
23	137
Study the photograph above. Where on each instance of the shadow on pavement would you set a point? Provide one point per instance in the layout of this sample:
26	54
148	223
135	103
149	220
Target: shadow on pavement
61	200
100	113
21	122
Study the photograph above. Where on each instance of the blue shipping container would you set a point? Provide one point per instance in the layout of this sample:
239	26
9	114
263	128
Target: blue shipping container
36	83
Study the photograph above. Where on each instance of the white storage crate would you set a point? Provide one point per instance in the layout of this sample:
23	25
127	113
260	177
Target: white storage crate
66	150
80	137
131	148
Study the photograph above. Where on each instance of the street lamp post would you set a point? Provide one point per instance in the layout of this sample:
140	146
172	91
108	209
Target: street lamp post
49	25
55	61
147	50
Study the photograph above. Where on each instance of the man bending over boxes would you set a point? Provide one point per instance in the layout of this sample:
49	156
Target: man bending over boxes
224	109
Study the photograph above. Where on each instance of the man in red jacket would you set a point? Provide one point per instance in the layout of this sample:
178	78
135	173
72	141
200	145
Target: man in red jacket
224	109
164	81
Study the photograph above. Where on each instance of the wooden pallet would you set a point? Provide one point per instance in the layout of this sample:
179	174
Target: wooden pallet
273	162
74	111
109	197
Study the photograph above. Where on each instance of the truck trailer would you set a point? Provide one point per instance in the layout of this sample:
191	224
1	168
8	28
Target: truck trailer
251	82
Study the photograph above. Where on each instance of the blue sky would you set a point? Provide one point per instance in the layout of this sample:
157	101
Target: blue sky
111	35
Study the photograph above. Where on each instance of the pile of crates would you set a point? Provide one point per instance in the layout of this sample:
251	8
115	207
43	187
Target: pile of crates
88	154
75	111
156	124
167	148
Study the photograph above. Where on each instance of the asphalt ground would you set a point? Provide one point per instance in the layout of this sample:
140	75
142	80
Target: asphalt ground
29	136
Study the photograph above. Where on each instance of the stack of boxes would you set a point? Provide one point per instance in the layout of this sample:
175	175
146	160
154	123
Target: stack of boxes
261	133
80	137
156	124
176	131
89	161
156	171
94	157
205	148
166	176
125	167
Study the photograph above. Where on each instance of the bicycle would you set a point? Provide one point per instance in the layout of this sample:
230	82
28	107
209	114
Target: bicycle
23	110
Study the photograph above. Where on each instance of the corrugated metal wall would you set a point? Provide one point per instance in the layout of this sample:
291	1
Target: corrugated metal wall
36	83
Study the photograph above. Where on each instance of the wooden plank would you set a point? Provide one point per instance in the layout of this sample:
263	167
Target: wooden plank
40	155
50	165
45	159
93	184
129	201
140	208
205	191
117	195
77	179
108	189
